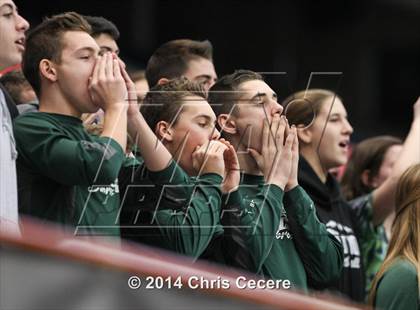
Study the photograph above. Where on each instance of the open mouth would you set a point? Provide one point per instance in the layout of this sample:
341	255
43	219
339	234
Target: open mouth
21	42
344	144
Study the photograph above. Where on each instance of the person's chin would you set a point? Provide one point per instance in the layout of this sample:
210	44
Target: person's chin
91	109
341	161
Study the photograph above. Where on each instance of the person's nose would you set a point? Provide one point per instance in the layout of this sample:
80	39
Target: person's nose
21	23
276	108
215	134
348	129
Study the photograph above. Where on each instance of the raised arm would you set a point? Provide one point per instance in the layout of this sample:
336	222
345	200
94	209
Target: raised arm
383	197
155	155
108	91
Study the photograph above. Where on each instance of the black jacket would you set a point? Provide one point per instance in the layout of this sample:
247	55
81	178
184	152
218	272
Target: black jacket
341	221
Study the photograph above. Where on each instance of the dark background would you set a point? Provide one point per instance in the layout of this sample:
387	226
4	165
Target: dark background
374	44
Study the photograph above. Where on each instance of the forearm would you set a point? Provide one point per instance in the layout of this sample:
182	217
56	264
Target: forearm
115	124
410	153
156	156
384	196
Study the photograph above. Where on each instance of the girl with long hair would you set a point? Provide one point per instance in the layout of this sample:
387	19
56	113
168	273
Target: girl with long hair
324	145
369	166
396	285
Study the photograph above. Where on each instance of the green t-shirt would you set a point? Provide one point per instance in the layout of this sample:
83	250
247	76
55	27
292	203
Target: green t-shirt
66	175
398	288
285	236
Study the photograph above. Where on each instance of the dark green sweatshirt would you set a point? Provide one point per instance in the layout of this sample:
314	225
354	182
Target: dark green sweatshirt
66	175
172	210
287	241
187	215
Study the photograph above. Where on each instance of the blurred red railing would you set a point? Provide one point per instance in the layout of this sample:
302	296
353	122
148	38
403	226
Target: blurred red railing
147	261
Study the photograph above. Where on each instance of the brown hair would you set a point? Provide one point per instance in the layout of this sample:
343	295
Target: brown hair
163	102
224	94
405	241
45	42
299	114
171	59
15	83
367	155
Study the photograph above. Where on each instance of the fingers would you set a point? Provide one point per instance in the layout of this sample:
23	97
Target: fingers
219	147
295	146
109	67
126	77
281	132
88	118
265	134
275	123
290	139
95	73
101	70
116	69
257	157
287	129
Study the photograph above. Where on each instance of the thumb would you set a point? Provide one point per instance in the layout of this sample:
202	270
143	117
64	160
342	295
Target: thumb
257	156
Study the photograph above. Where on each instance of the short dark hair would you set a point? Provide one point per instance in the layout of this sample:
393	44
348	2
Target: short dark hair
15	83
44	42
102	25
163	102
223	95
171	59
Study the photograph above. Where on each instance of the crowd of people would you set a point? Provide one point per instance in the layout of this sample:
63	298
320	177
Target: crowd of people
208	167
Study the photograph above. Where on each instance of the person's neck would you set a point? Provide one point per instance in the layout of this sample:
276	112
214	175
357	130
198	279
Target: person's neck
54	102
313	159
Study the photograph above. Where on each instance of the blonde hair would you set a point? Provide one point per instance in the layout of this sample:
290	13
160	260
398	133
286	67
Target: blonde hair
405	241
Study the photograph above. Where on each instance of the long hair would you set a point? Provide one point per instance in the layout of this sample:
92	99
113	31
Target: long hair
367	155
405	242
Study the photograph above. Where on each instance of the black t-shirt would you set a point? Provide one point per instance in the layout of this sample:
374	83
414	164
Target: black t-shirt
342	222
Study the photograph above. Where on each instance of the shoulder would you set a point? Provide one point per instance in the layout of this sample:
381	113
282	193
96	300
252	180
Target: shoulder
34	119
398	287
401	269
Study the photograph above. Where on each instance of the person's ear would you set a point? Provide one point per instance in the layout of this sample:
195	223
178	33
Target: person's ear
368	180
227	124
47	70
164	131
162	81
305	135
365	177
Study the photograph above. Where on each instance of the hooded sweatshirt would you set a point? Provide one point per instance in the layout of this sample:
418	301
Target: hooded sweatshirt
343	222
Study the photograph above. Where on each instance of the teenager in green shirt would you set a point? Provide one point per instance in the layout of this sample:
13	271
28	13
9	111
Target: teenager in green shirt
285	237
66	175
396	285
205	169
